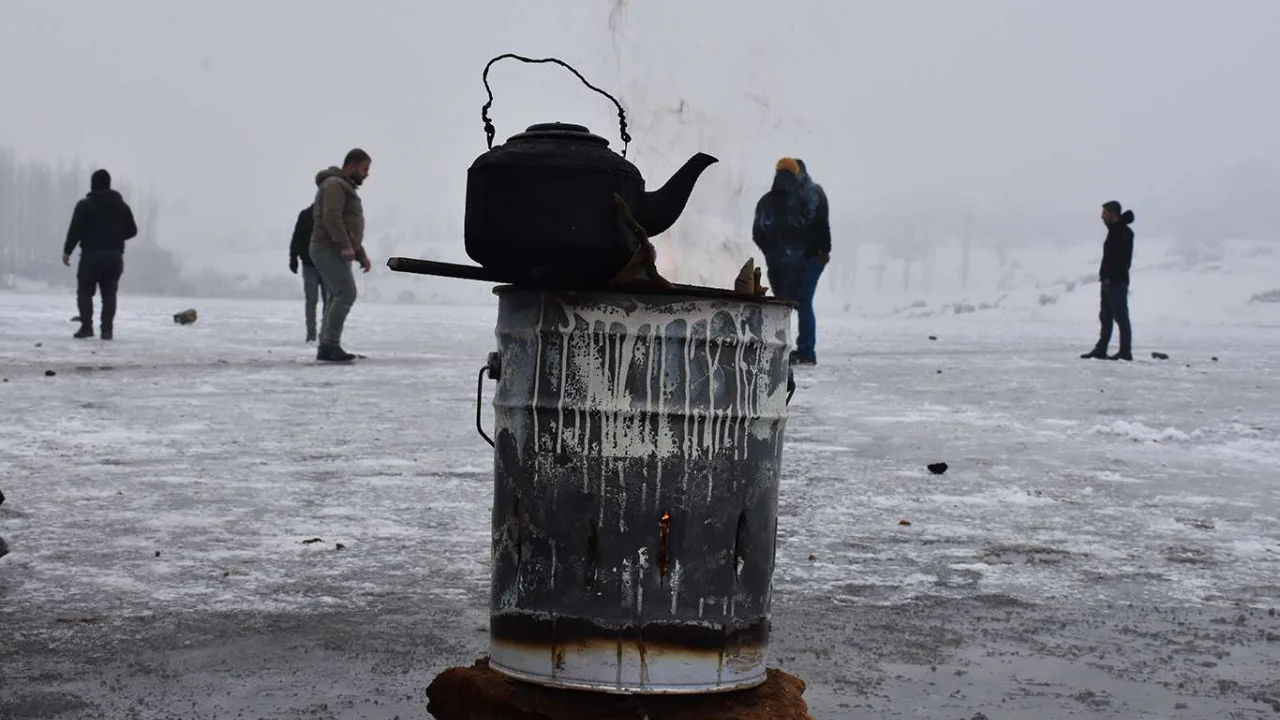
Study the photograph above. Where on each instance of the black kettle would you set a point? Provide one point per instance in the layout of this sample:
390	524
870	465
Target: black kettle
541	207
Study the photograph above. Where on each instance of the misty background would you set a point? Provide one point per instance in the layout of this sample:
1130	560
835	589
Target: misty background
949	136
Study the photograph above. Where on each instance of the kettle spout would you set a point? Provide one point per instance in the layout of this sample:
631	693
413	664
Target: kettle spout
660	209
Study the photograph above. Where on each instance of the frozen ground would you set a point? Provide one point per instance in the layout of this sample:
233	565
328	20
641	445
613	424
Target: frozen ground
1105	544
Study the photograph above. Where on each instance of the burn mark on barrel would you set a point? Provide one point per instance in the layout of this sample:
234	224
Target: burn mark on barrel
643	651
592	565
618	664
542	631
519	540
557	657
739	547
664	526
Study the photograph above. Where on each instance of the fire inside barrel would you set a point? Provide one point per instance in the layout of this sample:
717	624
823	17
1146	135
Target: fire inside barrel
637	454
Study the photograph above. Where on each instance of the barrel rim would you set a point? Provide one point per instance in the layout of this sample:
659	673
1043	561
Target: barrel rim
677	293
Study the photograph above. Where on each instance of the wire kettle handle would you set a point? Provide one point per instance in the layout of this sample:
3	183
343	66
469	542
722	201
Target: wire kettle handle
489	130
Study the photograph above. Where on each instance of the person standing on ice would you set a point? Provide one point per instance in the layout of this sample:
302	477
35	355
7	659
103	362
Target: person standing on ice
793	231
1117	257
100	224
299	251
4	549
337	240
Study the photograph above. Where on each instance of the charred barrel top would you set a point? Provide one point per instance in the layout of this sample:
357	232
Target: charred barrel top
636	475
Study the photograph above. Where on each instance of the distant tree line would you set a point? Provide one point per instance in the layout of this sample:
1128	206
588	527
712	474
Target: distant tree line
36	200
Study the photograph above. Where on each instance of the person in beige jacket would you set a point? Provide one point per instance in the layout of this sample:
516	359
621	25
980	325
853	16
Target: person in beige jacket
337	239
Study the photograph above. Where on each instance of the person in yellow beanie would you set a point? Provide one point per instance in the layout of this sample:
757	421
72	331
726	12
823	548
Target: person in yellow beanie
793	230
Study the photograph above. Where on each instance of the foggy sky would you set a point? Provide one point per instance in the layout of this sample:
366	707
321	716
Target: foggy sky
228	109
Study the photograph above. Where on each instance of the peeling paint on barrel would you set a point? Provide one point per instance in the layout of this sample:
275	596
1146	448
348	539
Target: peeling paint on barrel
641	436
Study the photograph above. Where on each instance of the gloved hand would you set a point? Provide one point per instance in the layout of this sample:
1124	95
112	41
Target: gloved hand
293	265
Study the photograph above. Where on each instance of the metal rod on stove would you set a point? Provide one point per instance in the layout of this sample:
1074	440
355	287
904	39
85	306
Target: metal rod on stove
443	269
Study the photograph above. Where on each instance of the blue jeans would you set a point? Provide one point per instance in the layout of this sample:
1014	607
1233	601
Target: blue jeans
786	271
810	272
1115	310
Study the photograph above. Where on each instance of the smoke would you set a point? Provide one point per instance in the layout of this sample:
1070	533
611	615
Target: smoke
670	122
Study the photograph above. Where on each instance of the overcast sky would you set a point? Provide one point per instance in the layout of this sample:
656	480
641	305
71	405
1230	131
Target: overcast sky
229	108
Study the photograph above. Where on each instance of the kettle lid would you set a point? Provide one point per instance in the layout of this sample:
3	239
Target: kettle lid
564	132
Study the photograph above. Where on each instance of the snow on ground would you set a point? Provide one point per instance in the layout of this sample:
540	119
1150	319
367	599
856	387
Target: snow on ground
179	469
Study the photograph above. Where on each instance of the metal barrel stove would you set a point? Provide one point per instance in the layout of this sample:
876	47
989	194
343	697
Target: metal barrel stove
636	461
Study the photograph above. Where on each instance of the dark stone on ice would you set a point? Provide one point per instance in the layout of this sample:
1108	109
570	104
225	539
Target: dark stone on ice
1159	356
933	337
49	373
1215	358
938	468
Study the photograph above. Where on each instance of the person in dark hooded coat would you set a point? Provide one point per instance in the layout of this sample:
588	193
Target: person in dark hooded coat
793	231
100	225
1113	274
299	251
4	549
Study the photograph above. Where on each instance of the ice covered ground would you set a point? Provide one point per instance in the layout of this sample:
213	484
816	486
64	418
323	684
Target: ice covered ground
1106	542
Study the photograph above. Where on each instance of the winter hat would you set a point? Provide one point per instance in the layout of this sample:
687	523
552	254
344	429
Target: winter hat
790	165
100	180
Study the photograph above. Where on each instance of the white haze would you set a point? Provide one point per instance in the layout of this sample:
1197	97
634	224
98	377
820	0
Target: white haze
912	115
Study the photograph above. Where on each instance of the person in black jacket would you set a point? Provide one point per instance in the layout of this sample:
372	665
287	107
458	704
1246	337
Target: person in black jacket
792	229
4	549
312	284
100	225
1117	257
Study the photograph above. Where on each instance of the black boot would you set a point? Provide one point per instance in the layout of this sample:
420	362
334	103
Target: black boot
311	336
1094	354
85	331
1122	355
333	353
106	332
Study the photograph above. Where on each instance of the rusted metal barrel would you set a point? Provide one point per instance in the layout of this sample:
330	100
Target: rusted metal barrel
637	450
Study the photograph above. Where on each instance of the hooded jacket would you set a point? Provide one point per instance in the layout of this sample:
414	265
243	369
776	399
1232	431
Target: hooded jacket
101	222
793	215
338	213
302	230
1117	250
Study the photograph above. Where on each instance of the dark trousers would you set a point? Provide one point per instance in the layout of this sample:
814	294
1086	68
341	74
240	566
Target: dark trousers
313	289
340	286
98	272
806	343
786	273
795	277
1115	310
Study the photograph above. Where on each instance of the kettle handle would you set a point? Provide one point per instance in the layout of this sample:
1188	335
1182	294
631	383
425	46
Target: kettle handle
484	111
